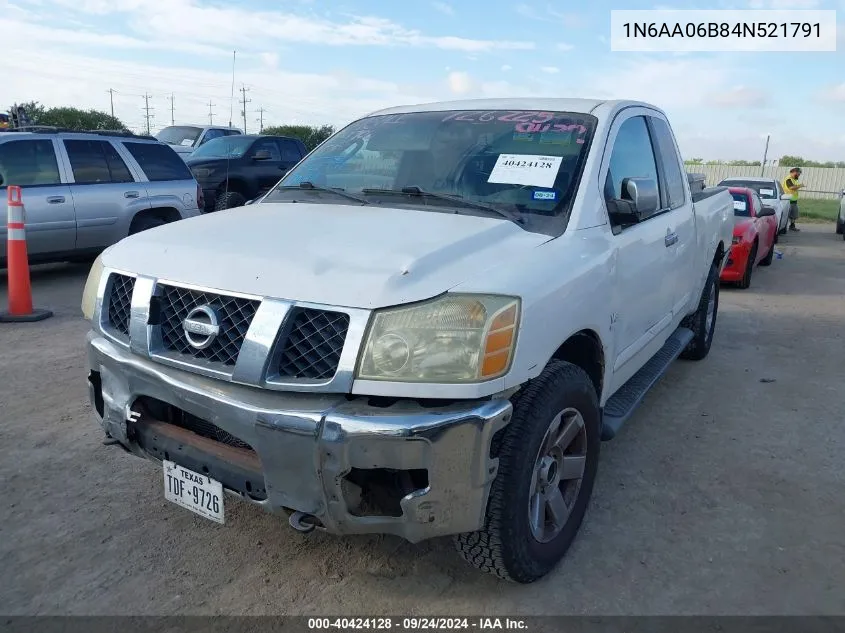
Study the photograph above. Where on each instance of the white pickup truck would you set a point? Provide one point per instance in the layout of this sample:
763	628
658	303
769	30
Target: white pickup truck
425	329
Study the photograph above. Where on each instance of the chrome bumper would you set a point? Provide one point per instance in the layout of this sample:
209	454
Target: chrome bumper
308	443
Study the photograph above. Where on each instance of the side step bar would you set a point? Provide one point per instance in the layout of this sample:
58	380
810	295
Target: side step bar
622	404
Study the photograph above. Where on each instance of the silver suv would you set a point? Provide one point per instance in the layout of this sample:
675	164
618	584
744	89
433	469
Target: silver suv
86	191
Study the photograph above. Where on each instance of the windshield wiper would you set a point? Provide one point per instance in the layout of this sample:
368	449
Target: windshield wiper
445	197
310	186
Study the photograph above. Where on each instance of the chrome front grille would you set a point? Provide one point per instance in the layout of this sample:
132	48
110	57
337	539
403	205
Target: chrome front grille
120	302
314	344
265	342
234	313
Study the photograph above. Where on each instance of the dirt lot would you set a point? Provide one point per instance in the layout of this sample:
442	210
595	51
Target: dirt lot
724	495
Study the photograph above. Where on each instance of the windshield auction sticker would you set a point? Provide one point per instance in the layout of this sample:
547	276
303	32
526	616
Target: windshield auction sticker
525	169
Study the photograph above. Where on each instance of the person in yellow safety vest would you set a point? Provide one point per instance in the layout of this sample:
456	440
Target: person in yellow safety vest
791	187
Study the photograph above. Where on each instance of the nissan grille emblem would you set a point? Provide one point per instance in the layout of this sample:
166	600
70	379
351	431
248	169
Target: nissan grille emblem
201	327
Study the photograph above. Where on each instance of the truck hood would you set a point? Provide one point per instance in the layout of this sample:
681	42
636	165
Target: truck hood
364	257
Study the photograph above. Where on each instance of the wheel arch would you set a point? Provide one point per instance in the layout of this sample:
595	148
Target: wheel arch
584	349
166	214
236	184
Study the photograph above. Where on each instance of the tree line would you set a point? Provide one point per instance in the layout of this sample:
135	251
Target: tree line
311	135
787	160
78	119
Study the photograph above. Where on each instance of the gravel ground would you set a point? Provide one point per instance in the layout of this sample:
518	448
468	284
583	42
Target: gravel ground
723	495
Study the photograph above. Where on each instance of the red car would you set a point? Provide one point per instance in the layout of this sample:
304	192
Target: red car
755	236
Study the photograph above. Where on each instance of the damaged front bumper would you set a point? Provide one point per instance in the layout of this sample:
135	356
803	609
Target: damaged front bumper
350	464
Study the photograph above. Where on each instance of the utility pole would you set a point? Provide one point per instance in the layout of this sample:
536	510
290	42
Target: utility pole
210	113
147	109
244	101
261	112
172	109
111	100
765	156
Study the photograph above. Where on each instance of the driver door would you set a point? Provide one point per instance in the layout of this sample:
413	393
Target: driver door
642	310
268	171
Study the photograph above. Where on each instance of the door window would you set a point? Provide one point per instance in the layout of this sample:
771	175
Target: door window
674	177
210	134
756	204
632	157
268	145
159	161
28	163
290	151
96	162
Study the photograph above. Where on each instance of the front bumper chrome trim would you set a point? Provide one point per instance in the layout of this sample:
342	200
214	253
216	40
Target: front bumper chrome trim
308	442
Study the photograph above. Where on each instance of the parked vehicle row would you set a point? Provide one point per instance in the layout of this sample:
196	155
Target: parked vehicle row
755	234
426	328
84	192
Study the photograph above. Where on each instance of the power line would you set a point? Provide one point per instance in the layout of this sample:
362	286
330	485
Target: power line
210	113
147	108
172	99
244	101
261	112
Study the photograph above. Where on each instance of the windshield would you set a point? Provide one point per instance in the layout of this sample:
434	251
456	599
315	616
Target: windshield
224	147
179	135
526	163
767	190
741	205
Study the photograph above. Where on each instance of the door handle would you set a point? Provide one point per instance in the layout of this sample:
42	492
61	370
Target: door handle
131	194
55	199
671	238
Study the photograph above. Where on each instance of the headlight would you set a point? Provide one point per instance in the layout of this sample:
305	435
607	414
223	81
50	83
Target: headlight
452	339
202	172
89	294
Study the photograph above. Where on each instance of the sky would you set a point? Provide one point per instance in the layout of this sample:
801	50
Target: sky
330	62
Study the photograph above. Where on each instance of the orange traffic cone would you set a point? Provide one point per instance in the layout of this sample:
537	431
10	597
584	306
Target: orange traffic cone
17	263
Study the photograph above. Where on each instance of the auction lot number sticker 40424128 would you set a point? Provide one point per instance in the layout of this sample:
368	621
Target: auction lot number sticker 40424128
525	169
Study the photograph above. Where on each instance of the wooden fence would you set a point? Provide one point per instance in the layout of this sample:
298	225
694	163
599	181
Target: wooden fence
822	182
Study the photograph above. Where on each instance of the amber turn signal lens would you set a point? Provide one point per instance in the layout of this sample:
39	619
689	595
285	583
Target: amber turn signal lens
499	343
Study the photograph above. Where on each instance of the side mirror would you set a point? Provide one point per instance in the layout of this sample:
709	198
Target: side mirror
640	199
765	212
786	196
261	154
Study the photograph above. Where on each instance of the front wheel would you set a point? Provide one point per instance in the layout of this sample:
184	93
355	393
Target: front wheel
548	457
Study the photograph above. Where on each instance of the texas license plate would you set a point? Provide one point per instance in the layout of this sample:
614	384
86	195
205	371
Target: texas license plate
198	493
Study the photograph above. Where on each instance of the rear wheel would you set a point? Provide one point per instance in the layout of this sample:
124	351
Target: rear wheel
702	322
840	227
145	223
745	282
767	260
548	457
229	200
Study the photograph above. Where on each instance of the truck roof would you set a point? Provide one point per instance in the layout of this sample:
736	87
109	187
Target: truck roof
598	107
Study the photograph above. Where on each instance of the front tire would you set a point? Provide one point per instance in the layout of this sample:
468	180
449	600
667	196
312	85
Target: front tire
548	458
702	322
